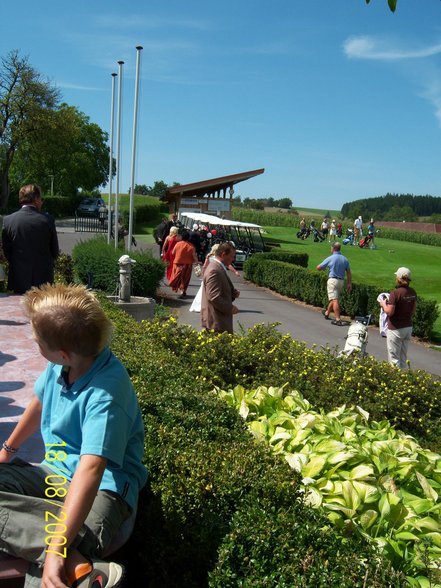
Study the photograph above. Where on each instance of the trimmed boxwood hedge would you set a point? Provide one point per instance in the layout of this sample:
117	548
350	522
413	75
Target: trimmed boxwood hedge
96	260
219	509
310	287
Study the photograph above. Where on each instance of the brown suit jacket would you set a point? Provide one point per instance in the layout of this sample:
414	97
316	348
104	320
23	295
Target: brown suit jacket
218	294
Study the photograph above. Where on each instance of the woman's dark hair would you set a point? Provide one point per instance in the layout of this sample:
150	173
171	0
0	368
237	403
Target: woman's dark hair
185	235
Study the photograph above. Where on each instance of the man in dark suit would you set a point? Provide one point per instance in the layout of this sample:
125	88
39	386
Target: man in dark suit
218	292
30	242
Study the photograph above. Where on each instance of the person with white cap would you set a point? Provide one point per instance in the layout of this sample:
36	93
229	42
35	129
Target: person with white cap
399	308
358	230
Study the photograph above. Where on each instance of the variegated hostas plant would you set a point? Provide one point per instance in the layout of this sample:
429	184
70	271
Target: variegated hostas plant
371	478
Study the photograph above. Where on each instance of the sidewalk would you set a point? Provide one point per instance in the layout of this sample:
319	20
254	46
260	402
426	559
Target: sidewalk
20	365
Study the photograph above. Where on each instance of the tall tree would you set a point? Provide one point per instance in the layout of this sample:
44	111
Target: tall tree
72	153
26	100
158	189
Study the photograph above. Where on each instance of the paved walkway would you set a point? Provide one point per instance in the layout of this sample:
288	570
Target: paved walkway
20	365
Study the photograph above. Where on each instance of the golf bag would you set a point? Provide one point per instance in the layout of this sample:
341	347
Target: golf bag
357	337
317	235
365	242
349	239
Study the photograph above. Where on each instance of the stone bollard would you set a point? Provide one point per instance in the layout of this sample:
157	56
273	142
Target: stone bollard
125	278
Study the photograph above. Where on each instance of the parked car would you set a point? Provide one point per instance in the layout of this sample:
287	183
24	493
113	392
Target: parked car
91	207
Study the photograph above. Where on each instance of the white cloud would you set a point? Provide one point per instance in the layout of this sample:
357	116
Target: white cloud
69	86
365	47
425	74
432	92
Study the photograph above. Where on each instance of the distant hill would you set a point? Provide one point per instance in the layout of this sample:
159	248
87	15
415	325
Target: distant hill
393	207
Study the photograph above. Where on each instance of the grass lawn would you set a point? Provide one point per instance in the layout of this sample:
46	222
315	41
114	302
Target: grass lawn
376	266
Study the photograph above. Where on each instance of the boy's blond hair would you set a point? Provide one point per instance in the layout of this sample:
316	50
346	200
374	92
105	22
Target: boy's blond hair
68	318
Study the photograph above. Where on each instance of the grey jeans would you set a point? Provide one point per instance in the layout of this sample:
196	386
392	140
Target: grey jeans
23	508
397	345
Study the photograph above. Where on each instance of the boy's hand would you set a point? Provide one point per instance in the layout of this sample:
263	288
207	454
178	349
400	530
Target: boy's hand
5	456
54	573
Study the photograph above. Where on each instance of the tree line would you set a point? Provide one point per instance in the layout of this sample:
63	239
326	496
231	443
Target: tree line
261	203
393	207
42	139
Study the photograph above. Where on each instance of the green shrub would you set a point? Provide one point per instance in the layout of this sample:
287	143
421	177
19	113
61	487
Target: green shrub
410	400
308	555
300	259
64	269
211	486
310	287
97	260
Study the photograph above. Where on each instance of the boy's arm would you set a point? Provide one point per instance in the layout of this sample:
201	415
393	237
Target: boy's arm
26	426
77	504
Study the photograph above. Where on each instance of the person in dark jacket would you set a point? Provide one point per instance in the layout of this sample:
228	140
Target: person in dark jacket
30	242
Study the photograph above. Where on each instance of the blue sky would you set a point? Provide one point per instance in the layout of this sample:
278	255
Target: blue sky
336	99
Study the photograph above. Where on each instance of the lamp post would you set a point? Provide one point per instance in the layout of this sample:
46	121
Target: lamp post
112	120
135	120
118	150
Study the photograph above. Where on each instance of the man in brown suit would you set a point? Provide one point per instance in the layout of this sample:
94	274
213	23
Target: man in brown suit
218	292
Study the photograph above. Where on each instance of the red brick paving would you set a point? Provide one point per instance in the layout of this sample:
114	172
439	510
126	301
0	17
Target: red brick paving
20	365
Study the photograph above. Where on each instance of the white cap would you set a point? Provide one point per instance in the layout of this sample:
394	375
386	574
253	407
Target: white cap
403	272
195	227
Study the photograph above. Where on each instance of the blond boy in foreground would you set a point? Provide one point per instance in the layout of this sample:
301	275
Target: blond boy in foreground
63	514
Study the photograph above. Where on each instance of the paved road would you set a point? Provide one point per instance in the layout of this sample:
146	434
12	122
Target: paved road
260	305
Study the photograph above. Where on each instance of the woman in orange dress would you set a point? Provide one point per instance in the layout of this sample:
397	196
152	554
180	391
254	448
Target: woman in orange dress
167	251
184	257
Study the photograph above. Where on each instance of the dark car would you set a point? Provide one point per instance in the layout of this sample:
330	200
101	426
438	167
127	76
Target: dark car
91	207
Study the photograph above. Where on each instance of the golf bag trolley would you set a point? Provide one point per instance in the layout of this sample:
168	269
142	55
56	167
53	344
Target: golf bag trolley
357	337
366	241
349	240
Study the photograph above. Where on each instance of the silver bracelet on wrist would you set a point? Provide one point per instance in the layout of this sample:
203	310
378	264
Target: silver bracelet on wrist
8	448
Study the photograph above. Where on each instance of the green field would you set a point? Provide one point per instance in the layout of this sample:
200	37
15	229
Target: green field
317	211
376	266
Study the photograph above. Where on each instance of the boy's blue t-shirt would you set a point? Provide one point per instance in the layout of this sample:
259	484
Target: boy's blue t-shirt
97	415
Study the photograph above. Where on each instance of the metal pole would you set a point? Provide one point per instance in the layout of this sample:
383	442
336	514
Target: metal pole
112	120
135	120
118	150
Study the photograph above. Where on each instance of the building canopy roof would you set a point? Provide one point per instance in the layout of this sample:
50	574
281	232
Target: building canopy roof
214	188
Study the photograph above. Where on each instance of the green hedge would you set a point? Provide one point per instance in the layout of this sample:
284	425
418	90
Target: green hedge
219	509
99	260
310	287
300	259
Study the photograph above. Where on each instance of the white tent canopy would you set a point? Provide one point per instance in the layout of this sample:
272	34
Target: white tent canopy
200	217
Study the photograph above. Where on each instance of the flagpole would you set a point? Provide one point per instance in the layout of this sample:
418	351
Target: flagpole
112	119
135	122
118	150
